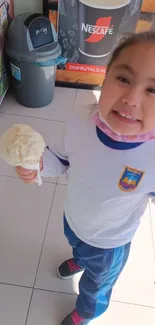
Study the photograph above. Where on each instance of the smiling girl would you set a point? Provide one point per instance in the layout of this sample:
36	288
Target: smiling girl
110	157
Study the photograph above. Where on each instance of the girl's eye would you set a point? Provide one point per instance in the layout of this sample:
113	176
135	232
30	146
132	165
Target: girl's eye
151	90
123	80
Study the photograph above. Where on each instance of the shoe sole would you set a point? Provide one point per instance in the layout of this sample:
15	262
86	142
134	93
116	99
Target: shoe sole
67	277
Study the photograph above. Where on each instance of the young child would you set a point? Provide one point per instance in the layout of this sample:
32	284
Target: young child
110	157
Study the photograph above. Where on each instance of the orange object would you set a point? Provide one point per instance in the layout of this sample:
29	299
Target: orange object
143	26
53	15
148	6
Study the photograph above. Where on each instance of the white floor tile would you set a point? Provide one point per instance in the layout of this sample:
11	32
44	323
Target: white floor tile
62	180
51	131
136	284
86	97
56	249
120	314
50	308
24	215
58	110
14	302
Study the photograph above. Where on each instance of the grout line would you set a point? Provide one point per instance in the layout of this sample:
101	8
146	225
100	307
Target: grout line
16	177
40	256
44	181
132	304
27	315
45	235
16	285
33	117
73	294
36	288
54	291
75	98
37	117
61	184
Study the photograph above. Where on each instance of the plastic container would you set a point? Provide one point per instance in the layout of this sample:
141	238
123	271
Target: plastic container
33	51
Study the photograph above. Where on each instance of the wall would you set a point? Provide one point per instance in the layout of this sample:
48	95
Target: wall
27	5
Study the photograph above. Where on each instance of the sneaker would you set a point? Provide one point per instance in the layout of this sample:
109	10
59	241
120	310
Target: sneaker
74	319
69	268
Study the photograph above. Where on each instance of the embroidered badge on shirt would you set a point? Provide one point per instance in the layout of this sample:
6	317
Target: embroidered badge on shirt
130	179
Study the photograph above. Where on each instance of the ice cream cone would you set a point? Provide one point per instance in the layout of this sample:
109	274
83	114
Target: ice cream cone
22	146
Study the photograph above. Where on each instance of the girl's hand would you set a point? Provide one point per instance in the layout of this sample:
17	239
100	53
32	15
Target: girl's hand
26	175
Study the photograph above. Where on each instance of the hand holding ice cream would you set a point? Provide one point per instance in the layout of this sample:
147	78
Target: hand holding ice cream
23	147
28	176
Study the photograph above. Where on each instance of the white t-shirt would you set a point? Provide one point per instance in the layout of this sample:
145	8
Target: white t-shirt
108	189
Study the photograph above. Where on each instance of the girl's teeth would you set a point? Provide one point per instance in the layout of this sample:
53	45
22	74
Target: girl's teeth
126	116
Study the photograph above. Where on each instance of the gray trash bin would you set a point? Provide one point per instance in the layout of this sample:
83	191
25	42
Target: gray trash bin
33	51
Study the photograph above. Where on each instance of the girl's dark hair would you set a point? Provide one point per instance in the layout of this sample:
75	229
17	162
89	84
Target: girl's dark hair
129	40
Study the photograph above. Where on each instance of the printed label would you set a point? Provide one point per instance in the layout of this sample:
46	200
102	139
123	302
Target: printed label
85	68
16	72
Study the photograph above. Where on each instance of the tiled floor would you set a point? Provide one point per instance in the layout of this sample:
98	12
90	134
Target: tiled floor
32	243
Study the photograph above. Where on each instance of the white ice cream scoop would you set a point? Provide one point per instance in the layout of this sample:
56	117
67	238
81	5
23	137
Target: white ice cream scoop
22	146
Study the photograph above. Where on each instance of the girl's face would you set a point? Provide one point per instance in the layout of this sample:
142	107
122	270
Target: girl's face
127	101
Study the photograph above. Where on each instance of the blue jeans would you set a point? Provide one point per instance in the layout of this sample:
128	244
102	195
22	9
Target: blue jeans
102	269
